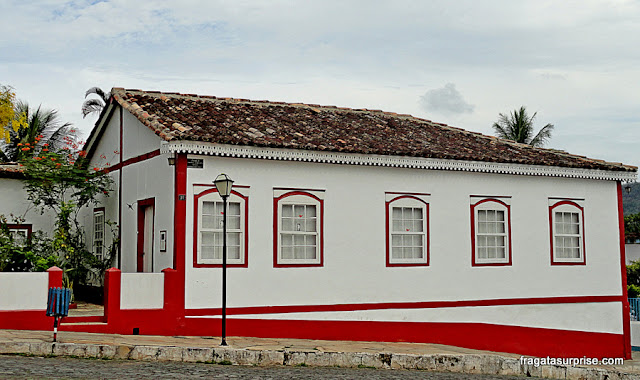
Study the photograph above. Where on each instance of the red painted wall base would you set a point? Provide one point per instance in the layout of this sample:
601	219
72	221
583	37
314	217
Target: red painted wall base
515	339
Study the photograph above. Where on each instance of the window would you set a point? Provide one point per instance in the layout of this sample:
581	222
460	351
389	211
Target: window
298	229
567	232
98	232
491	231
407	229
19	232
209	216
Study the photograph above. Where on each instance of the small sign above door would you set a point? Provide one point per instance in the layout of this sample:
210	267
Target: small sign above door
195	163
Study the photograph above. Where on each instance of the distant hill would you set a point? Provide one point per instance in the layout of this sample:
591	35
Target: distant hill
631	201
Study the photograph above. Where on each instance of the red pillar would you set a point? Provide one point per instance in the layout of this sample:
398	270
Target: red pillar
55	277
112	286
626	312
179	231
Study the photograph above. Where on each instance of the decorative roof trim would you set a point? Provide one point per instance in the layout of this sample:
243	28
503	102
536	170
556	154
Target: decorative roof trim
236	151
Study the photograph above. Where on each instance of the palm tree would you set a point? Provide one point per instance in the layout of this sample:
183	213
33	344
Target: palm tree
42	127
94	105
518	126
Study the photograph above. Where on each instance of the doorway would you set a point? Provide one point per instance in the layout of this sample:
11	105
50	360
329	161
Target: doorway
146	211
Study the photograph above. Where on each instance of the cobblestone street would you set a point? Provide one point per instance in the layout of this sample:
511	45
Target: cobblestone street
20	367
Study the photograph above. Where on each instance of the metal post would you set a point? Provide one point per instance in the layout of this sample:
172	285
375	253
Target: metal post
224	271
55	328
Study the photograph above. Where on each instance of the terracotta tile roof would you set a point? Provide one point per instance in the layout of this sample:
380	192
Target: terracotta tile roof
10	170
174	116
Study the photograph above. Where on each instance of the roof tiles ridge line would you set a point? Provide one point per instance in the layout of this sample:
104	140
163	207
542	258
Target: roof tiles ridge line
277	102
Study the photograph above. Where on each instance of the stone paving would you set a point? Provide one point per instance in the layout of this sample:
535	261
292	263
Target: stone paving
297	352
71	368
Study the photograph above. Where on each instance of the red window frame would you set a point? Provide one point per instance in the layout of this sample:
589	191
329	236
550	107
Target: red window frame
28	227
276	229
474	262
196	198
388	205
582	232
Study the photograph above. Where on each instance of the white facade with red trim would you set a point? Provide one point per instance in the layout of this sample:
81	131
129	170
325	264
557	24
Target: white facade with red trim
353	290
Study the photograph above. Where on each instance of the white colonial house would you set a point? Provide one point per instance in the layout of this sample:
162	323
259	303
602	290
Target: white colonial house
357	225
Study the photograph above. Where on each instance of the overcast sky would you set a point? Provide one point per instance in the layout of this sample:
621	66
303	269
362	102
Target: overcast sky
576	63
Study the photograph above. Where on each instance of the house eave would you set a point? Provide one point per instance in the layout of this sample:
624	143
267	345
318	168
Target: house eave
236	151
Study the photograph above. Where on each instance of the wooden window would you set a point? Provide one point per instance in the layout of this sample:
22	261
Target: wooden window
209	216
407	230
491	231
298	229
98	232
566	220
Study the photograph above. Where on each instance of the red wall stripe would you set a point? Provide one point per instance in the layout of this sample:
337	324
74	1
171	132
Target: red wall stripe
403	305
133	160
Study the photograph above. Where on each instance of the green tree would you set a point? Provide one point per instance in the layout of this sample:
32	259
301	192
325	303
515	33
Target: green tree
518	126
633	279
95	105
61	181
632	228
42	130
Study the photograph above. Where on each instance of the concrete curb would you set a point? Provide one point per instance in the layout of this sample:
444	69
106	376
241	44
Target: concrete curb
476	364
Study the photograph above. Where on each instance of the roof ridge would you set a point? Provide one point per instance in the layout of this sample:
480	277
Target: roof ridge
277	103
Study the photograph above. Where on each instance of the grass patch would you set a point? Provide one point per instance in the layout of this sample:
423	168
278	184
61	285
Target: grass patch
225	362
366	366
301	365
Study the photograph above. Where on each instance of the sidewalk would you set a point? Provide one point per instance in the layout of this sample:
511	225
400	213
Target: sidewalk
292	352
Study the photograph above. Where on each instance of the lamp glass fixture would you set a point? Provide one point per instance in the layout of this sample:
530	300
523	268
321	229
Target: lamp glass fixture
224	184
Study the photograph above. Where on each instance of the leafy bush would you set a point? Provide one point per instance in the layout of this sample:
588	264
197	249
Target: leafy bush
60	181
30	255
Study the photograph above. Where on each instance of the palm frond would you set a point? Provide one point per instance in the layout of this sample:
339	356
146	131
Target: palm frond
518	126
543	136
92	106
98	91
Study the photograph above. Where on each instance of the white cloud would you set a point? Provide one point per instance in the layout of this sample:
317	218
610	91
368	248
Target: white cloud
446	100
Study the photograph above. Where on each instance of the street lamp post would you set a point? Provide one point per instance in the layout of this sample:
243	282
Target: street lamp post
224	184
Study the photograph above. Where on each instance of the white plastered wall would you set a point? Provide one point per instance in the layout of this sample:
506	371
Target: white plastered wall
142	291
152	178
106	154
13	200
354	268
23	291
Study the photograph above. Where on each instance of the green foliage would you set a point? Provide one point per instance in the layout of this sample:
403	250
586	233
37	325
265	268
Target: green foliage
30	255
62	182
633	279
518	126
632	227
633	291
